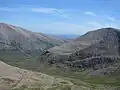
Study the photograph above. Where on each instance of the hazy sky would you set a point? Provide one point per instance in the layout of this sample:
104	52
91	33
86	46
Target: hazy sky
61	16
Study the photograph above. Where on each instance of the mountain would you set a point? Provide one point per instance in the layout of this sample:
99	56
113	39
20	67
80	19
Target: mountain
86	40
20	47
19	39
97	51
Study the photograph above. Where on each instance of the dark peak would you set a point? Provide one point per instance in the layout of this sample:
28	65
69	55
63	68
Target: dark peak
103	30
108	29
99	34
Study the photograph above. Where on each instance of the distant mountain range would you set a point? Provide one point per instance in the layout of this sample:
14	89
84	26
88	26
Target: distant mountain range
67	36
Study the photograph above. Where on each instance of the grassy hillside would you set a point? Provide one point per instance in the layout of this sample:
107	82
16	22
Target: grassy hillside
78	78
21	60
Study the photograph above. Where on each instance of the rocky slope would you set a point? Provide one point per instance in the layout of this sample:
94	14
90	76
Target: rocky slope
19	39
97	50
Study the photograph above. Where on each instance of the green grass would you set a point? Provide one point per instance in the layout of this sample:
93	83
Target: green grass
21	61
78	78
40	88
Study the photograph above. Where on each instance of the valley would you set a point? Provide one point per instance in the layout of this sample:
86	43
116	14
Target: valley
89	62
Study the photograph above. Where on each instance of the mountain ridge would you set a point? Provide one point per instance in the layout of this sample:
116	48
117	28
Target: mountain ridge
100	44
12	36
